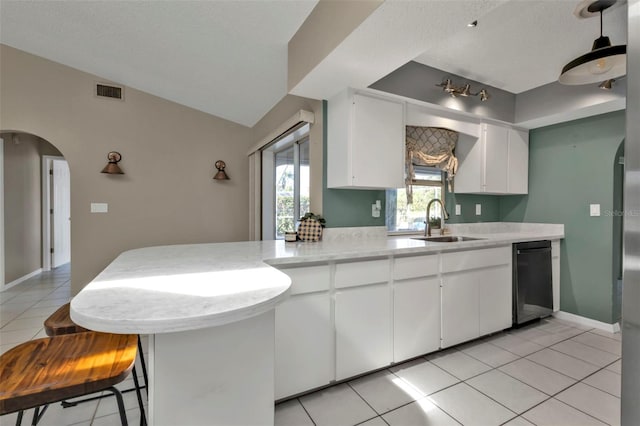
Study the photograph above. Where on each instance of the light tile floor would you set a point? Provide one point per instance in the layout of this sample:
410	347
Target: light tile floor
550	373
23	309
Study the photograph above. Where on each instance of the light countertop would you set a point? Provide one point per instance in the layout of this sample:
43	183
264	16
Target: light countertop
186	287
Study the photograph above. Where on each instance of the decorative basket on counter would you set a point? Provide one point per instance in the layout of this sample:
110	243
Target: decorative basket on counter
310	227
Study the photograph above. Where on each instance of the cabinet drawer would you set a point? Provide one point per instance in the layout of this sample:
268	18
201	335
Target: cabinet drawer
361	273
473	259
308	279
415	267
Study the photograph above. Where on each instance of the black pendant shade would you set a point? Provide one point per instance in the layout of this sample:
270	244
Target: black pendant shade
603	62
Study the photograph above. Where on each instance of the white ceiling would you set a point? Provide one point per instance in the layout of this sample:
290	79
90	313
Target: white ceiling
229	58
226	58
517	45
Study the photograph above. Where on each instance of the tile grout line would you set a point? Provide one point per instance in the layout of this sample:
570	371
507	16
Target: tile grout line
305	410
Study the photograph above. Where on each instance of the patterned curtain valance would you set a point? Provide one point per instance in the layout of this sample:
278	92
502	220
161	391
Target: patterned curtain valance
430	146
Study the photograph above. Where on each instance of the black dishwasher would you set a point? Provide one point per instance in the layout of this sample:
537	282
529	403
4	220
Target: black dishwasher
532	288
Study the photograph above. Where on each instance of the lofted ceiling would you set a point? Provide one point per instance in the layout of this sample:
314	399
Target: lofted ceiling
226	58
229	57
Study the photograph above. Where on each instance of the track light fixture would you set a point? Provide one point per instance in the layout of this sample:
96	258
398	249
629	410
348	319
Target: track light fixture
464	91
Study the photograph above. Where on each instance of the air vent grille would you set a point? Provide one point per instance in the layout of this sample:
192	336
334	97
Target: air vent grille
106	91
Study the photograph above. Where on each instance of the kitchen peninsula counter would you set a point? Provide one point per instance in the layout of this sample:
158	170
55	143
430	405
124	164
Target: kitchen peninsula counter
209	311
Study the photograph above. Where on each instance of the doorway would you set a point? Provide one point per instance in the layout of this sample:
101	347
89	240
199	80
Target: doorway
27	192
56	212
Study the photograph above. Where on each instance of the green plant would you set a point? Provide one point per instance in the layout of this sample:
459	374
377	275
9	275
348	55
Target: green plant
434	222
313	216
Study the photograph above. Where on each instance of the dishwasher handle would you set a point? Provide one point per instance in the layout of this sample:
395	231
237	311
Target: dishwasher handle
534	250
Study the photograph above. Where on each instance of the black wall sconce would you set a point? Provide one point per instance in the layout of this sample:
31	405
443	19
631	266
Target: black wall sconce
221	174
112	167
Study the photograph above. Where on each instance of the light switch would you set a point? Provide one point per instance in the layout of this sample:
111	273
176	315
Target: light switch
458	210
478	209
594	209
99	208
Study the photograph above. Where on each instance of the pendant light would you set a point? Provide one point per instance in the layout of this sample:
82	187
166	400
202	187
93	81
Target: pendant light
603	62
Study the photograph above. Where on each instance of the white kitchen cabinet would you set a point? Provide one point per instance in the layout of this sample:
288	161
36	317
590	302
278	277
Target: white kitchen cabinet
365	142
494	299
460	308
416	306
555	273
496	163
476	293
304	344
304	336
363	329
416	317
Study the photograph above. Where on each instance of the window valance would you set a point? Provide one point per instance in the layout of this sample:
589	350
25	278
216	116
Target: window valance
430	146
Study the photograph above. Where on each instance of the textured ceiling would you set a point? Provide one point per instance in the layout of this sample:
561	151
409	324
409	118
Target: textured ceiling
517	45
523	44
226	58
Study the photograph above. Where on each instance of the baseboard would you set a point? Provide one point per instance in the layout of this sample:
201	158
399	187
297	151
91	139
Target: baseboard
21	279
588	322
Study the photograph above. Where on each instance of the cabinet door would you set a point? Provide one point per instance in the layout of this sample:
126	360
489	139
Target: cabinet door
496	151
363	330
304	344
469	179
377	137
518	169
495	301
416	317
460	315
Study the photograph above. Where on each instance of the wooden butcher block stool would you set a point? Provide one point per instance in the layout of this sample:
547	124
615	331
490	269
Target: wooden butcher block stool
60	323
43	371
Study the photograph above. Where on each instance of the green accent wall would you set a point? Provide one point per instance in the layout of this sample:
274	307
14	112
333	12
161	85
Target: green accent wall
571	167
490	207
347	207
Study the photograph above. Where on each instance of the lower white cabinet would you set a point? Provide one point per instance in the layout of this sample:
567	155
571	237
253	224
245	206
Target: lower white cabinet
476	294
363	329
460	308
304	344
494	299
416	317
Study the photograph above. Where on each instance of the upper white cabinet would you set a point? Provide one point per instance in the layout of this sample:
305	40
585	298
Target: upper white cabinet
496	163
365	142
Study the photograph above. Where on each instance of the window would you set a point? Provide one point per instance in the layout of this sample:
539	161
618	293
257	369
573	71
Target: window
285	183
291	186
403	217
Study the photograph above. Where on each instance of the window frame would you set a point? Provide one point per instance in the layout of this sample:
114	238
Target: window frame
268	194
419	182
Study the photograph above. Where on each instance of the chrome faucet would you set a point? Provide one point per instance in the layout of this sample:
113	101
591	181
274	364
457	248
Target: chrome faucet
445	215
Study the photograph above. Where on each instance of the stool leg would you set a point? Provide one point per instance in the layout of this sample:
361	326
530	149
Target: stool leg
123	414
37	414
143	417
19	419
144	365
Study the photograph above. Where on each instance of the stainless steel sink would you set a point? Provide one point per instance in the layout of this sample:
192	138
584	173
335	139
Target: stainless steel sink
447	239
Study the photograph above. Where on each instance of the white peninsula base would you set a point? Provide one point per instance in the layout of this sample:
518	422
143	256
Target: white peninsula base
213	376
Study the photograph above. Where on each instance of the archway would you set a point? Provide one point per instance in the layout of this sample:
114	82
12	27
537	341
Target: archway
26	209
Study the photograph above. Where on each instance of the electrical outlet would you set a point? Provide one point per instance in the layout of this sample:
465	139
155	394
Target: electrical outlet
478	209
375	209
458	209
594	209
